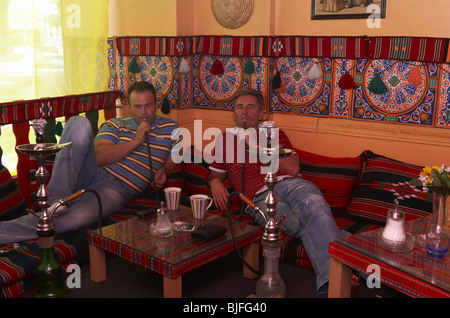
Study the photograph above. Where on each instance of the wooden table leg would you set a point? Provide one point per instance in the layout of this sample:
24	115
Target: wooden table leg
172	287
340	284
251	256
97	263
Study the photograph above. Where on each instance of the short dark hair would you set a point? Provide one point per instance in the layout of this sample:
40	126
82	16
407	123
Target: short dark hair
141	87
245	91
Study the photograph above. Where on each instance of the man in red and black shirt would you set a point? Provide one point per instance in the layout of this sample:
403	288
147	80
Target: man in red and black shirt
308	216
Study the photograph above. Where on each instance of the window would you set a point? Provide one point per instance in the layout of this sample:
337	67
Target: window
50	48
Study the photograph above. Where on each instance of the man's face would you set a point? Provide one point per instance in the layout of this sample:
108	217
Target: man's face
246	112
143	106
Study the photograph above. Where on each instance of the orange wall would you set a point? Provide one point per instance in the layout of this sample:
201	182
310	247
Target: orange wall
333	137
403	18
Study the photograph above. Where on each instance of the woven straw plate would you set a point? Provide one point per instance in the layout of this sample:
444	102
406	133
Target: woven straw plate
232	14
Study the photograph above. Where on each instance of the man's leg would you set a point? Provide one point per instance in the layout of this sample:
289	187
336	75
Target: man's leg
75	165
83	211
74	168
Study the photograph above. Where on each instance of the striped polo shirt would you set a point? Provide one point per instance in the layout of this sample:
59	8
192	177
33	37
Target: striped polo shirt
227	144
134	169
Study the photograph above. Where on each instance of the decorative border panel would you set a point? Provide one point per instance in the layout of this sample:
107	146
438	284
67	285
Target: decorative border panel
424	102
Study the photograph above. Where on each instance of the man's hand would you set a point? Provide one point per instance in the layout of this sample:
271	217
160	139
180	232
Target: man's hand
164	172
160	177
219	191
143	128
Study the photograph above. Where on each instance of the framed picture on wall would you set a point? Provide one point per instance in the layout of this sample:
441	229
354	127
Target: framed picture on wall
347	9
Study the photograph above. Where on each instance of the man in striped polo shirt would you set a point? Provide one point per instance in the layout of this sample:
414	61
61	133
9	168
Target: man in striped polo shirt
116	165
308	216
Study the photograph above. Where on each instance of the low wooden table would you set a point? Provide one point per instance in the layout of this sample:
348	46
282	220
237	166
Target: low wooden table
173	256
414	273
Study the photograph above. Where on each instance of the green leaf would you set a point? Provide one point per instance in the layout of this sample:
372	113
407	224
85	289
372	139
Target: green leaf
442	180
416	183
446	180
436	178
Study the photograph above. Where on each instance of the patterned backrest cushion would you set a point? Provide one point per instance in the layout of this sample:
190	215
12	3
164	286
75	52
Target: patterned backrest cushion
335	177
196	173
12	202
383	180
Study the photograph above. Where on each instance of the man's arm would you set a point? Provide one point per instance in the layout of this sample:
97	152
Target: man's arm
106	151
290	165
218	190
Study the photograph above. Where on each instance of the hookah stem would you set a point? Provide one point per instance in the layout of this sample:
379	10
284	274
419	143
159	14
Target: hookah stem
151	166
233	235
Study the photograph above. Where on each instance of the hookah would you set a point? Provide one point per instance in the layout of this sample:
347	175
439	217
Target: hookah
50	276
163	226
270	284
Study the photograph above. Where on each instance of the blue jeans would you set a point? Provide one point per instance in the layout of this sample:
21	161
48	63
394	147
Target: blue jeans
308	218
75	168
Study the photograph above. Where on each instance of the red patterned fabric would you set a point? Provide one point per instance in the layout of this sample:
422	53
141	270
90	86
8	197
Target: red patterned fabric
12	202
414	273
410	49
19	262
335	177
167	46
15	112
384	180
169	262
234	46
397	48
315	46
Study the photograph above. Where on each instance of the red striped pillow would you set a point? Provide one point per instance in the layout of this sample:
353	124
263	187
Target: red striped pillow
12	202
335	177
383	180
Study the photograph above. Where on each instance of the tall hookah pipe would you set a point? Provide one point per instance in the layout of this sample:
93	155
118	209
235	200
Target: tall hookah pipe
272	231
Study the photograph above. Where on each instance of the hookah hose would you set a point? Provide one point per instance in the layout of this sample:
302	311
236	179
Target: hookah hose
152	174
79	193
233	235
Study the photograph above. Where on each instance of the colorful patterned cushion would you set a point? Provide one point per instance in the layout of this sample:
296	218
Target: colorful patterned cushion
12	202
383	180
196	173
18	262
335	177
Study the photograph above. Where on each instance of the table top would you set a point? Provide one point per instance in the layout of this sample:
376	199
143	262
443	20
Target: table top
176	254
414	272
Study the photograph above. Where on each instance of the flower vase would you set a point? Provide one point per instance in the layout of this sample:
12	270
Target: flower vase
437	238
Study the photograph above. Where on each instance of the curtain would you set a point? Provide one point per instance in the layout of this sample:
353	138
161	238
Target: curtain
52	48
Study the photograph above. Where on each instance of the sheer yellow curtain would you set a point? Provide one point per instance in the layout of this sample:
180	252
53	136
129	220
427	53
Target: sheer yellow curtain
52	48
85	30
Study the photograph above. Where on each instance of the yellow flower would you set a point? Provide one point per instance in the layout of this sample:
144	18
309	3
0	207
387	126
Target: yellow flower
426	171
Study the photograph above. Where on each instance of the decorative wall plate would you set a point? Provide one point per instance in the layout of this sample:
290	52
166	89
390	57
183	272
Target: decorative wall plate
232	14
